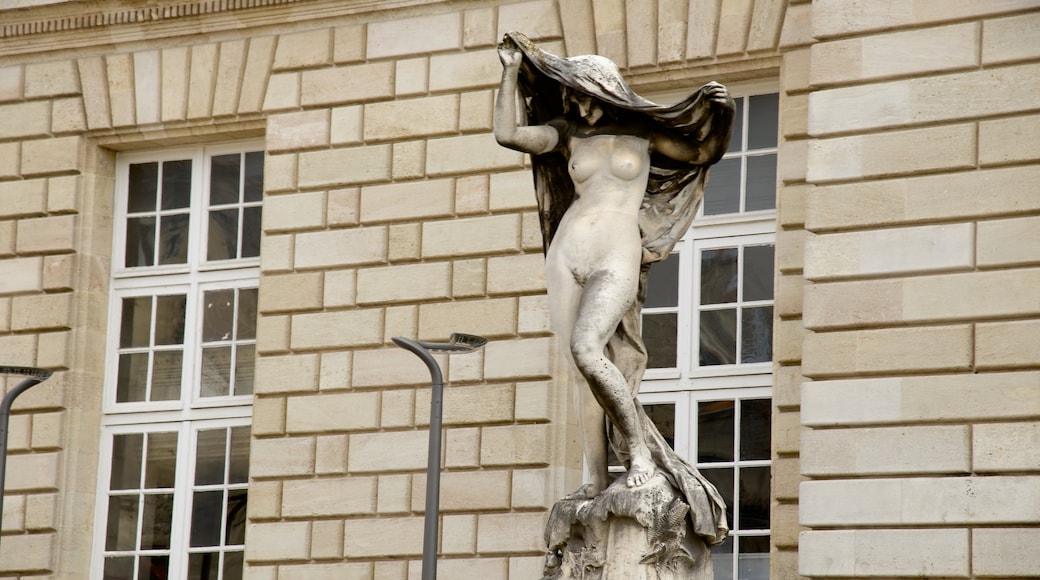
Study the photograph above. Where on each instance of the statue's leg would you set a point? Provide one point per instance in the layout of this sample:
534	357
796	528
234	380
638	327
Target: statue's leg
607	296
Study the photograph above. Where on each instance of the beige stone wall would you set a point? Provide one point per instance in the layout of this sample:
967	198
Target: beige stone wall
921	293
389	210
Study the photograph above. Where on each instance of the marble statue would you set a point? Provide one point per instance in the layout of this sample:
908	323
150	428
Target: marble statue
618	181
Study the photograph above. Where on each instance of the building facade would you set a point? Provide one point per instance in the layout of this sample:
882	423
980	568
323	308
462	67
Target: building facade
215	215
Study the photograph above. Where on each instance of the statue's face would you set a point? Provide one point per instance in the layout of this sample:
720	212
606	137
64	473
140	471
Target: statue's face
588	108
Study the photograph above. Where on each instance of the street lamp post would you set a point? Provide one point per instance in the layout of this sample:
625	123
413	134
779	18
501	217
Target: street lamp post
458	344
36	376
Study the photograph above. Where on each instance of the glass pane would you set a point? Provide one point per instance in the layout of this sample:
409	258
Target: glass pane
761	182
662	287
122	523
755	428
142	182
140	242
722	194
204	566
236	518
245	363
722	479
753	560
762	121
156	519
225	173
136	325
119	568
223	235
209	463
218	315
246	314
754	498
722	560
254	183
132	380
715	422
205	518
758	272
216	372
126	461
166	375
756	334
161	465
663	416
173	239
154	568
737	133
718	342
233	565
176	184
719	276
251	232
660	336
238	471
169	319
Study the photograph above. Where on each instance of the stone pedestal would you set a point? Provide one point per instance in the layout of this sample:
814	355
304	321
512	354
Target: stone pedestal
624	533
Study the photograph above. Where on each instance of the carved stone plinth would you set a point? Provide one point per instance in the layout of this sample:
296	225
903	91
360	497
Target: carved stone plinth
624	533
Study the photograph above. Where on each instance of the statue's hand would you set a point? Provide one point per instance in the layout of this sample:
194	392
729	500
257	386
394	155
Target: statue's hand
716	92
509	54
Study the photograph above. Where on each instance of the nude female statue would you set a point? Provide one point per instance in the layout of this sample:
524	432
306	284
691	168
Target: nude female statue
618	179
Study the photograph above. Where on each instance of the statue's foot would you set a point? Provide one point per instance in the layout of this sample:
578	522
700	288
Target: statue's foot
640	471
587	491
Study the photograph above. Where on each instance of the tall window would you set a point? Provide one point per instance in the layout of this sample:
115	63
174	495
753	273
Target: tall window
707	324
179	380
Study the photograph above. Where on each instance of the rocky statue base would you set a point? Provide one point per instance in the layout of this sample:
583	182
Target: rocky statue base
624	533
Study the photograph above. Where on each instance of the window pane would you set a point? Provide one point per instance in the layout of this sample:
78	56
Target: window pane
753	560
119	568
756	334
216	372
209	463
135	328
166	375
224	179
122	523
176	184
758	272
755	428
246	314
254	182
204	566
251	232
737	133
132	379
761	182
173	239
660	336
662	288
169	319
126	461
206	517
223	235
719	276
715	428
162	461
754	498
238	471
663	416
722	479
718	340
245	363
236	518
218	315
154	568
233	565
722	560
156	519
142	182
762	121
140	242
722	194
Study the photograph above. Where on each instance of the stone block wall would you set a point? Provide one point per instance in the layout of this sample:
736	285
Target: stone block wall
920	297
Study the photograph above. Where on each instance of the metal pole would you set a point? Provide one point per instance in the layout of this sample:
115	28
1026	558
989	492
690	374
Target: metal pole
36	376
459	343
